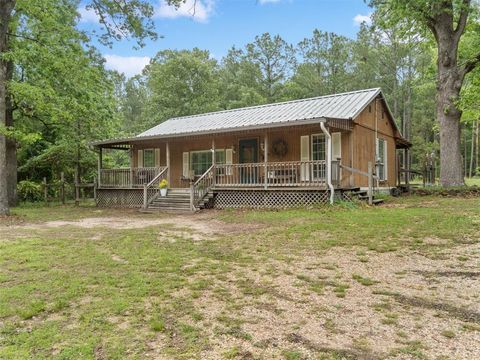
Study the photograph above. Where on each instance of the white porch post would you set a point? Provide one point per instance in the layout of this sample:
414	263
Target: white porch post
167	154
329	159
265	159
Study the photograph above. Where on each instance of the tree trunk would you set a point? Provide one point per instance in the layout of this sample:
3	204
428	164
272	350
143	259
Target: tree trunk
451	172
6	8
11	147
449	83
477	130
472	152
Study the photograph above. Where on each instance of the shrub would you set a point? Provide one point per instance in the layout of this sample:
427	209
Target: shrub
29	191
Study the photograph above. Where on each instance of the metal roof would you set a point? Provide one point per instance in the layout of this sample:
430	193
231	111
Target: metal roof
344	106
339	106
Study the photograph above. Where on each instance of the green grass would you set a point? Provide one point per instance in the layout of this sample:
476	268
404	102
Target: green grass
475	181
63	295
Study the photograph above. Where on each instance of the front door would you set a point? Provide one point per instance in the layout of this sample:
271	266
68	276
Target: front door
248	154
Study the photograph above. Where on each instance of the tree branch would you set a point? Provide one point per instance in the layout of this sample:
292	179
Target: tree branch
471	64
26	38
462	20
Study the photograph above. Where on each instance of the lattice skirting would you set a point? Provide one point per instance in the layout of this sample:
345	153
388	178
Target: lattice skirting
273	199
124	198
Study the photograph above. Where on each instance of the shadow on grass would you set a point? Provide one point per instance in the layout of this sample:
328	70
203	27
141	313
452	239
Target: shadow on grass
453	311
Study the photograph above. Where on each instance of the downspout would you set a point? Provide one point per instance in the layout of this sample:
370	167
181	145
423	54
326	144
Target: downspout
329	159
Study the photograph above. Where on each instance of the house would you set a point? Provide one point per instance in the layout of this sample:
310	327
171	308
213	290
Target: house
291	153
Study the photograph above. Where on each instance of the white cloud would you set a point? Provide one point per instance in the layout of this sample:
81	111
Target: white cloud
198	10
87	15
263	2
359	19
129	65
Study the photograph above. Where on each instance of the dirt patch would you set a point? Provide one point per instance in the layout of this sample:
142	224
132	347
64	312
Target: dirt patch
195	227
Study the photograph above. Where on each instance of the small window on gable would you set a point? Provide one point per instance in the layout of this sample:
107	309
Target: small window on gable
369	108
383	114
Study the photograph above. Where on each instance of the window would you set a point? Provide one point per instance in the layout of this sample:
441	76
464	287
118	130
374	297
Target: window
382	159
220	159
148	158
318	147
318	153
200	161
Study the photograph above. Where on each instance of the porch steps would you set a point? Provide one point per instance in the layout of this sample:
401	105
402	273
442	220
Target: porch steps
363	195
177	200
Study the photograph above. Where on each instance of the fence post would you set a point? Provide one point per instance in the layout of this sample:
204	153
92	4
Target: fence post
77	189
62	187
370	183
45	190
192	195
145	196
399	171
95	184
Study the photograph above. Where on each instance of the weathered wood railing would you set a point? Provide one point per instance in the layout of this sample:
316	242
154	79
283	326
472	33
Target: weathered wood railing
273	174
202	186
153	184
127	177
369	174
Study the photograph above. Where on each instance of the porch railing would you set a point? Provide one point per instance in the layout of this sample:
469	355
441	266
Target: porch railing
127	177
152	185
273	174
202	186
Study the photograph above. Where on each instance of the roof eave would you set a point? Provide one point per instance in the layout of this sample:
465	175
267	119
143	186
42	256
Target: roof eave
218	131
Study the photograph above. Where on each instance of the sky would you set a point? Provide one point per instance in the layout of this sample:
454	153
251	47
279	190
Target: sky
220	24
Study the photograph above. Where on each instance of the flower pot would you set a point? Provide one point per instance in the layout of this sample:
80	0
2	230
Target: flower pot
163	192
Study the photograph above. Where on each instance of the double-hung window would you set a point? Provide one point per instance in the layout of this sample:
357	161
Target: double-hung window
318	153
149	158
382	159
200	161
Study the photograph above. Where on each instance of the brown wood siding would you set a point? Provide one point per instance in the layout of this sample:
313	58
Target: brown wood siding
365	143
358	146
291	135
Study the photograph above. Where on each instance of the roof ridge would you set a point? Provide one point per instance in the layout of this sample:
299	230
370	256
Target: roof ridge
272	104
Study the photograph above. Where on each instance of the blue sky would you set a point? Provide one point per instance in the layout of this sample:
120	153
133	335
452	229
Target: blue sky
219	24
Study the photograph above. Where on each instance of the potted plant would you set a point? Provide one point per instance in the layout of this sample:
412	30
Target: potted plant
163	187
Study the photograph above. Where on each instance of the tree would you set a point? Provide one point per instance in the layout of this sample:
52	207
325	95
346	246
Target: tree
181	83
36	20
240	81
447	21
326	66
275	60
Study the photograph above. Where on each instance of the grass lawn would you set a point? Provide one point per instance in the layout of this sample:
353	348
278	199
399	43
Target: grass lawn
398	281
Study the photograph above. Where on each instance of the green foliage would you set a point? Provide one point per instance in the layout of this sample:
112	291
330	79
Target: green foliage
29	191
181	83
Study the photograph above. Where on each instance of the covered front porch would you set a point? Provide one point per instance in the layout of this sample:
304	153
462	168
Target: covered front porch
300	157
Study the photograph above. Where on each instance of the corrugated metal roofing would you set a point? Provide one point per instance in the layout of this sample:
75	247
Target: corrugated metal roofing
339	106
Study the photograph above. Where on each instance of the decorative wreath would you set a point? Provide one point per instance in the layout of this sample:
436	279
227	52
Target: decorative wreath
279	147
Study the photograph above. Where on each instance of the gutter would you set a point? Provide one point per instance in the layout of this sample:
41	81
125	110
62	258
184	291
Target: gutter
329	159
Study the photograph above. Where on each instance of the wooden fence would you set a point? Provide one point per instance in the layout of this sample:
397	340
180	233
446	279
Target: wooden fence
62	186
